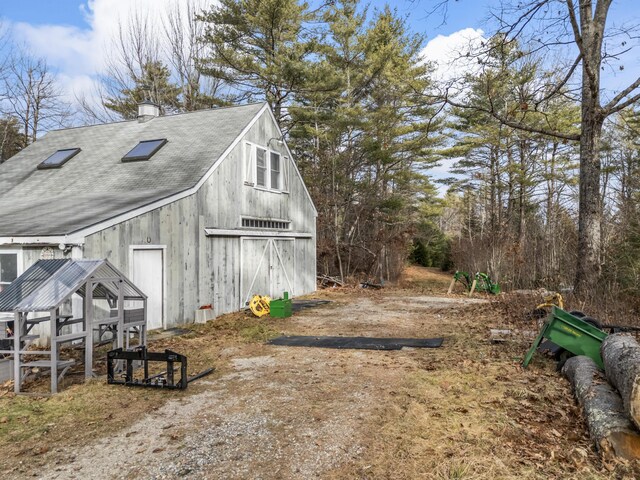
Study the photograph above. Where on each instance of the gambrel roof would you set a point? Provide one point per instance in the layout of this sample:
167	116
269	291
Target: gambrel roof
95	185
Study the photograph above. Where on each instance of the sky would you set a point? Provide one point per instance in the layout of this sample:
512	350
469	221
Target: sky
74	35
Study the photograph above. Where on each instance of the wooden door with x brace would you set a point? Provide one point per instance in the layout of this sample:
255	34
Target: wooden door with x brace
267	267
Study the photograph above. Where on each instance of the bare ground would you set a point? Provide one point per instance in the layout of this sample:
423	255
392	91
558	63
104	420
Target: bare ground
463	411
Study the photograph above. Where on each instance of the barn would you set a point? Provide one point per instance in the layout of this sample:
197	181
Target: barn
201	208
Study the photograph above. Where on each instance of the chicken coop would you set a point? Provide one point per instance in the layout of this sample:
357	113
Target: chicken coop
63	304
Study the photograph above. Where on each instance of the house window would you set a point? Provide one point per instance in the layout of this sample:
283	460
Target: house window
8	268
265	168
266	224
261	167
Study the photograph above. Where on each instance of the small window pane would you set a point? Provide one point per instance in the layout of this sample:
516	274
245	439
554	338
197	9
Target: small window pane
275	162
261	167
144	150
59	158
275	170
8	267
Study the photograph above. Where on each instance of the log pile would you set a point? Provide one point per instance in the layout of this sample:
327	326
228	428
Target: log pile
610	399
609	426
621	357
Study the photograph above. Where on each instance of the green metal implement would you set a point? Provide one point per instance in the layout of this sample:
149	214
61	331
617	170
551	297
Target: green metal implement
281	308
570	333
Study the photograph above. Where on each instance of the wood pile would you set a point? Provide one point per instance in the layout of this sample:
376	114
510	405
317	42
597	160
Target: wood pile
610	398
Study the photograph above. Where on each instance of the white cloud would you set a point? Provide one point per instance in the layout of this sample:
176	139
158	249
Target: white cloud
453	55
80	54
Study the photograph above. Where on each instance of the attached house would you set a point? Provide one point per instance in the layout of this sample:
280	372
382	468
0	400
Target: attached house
197	208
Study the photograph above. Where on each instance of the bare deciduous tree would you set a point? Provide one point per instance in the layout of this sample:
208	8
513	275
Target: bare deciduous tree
183	33
33	96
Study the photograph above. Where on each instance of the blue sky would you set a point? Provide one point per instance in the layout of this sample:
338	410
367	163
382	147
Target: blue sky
74	35
71	33
461	14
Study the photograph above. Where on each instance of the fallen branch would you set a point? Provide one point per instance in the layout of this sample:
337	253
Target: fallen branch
609	426
326	280
621	357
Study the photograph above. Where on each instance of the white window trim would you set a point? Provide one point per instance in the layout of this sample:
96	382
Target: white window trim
251	164
19	270
19	260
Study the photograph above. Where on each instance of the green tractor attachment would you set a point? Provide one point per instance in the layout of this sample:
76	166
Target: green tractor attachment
572	334
480	282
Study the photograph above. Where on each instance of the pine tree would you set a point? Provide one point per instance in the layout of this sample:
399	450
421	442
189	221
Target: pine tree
153	84
260	48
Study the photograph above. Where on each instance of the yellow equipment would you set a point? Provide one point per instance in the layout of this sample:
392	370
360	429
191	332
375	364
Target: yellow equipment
260	305
554	299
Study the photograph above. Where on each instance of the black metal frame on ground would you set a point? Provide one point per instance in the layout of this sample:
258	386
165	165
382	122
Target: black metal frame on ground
165	379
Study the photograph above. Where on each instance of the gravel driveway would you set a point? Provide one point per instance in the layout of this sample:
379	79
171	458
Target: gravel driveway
279	412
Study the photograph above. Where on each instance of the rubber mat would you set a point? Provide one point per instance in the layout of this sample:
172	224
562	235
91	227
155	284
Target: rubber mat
365	343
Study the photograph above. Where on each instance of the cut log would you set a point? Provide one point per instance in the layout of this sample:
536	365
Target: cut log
621	358
609	426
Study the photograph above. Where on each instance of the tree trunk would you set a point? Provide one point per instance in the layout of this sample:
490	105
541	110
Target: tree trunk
609	426
590	217
590	208
621	356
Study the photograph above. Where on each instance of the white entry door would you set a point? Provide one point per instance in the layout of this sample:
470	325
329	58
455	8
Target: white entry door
148	276
268	268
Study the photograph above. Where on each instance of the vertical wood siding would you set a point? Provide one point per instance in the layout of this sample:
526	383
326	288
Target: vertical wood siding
206	270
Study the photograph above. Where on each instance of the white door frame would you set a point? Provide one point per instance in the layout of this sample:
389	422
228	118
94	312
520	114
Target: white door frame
271	246
164	273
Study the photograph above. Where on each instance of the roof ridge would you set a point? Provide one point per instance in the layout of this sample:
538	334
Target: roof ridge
178	114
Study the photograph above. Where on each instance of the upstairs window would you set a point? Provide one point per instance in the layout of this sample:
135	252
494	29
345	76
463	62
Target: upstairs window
59	158
265	169
144	150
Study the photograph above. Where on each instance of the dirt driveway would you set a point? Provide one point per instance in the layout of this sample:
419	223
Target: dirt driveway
465	410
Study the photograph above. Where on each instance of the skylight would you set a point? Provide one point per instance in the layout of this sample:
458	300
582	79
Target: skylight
59	158
144	150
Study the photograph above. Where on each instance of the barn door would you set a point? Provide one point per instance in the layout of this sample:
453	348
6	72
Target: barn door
268	268
255	268
282	266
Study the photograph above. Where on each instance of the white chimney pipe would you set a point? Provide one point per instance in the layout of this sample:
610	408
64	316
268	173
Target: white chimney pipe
147	110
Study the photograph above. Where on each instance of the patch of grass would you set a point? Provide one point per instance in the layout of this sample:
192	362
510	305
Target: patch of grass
32	424
259	333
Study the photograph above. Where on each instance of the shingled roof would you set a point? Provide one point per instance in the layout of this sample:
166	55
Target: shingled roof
95	185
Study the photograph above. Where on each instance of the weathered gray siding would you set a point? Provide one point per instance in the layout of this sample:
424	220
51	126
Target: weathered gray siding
199	269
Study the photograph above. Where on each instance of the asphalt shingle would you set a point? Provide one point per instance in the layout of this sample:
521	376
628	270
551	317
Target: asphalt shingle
96	185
